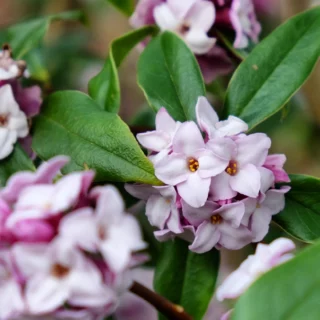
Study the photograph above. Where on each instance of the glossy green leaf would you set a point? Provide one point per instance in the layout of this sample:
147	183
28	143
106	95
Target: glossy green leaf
17	161
125	6
186	278
301	215
275	69
71	123
170	77
290	291
27	35
105	87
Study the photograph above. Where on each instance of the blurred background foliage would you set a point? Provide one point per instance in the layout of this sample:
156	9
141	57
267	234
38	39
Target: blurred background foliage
73	52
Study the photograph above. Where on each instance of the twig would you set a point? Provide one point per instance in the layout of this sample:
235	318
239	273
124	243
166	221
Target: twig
167	308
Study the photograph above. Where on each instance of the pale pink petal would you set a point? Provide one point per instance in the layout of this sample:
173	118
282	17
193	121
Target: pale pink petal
225	148
140	191
207	236
253	149
173	223
179	8
173	169
45	294
158	210
231	126
110	205
234	285
201	15
188	139
275	199
197	215
31	258
164	121
210	165
220	188
266	179
250	205
227	315
154	140
165	18
206	116
260	222
232	212
198	41
195	190
246	181
11	300
143	14
233	238
278	248
80	228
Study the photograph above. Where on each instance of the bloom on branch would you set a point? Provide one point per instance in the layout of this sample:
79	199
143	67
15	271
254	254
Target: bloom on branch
66	250
196	20
17	104
219	183
265	258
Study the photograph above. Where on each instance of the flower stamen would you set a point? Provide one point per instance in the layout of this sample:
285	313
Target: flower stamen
216	219
232	168
193	165
3	120
59	270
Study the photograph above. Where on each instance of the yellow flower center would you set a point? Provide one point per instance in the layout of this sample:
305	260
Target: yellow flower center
216	219
193	165
232	168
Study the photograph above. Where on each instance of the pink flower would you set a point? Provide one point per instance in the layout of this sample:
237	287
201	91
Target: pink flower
191	19
259	211
59	274
243	173
9	68
107	229
217	226
275	163
46	172
162	205
209	123
265	258
42	201
160	140
13	122
244	21
190	166
11	300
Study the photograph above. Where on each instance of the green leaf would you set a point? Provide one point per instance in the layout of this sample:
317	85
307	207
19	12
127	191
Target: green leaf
105	87
187	278
290	291
301	215
275	69
27	35
125	6
170	77
71	123
17	161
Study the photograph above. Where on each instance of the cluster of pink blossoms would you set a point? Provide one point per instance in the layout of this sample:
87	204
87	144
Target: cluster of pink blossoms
219	189
193	21
17	104
65	250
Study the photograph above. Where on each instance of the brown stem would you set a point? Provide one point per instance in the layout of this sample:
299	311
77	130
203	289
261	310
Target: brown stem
167	308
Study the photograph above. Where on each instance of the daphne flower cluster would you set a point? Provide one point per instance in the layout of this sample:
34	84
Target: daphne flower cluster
194	20
219	189
265	258
66	250
17	104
